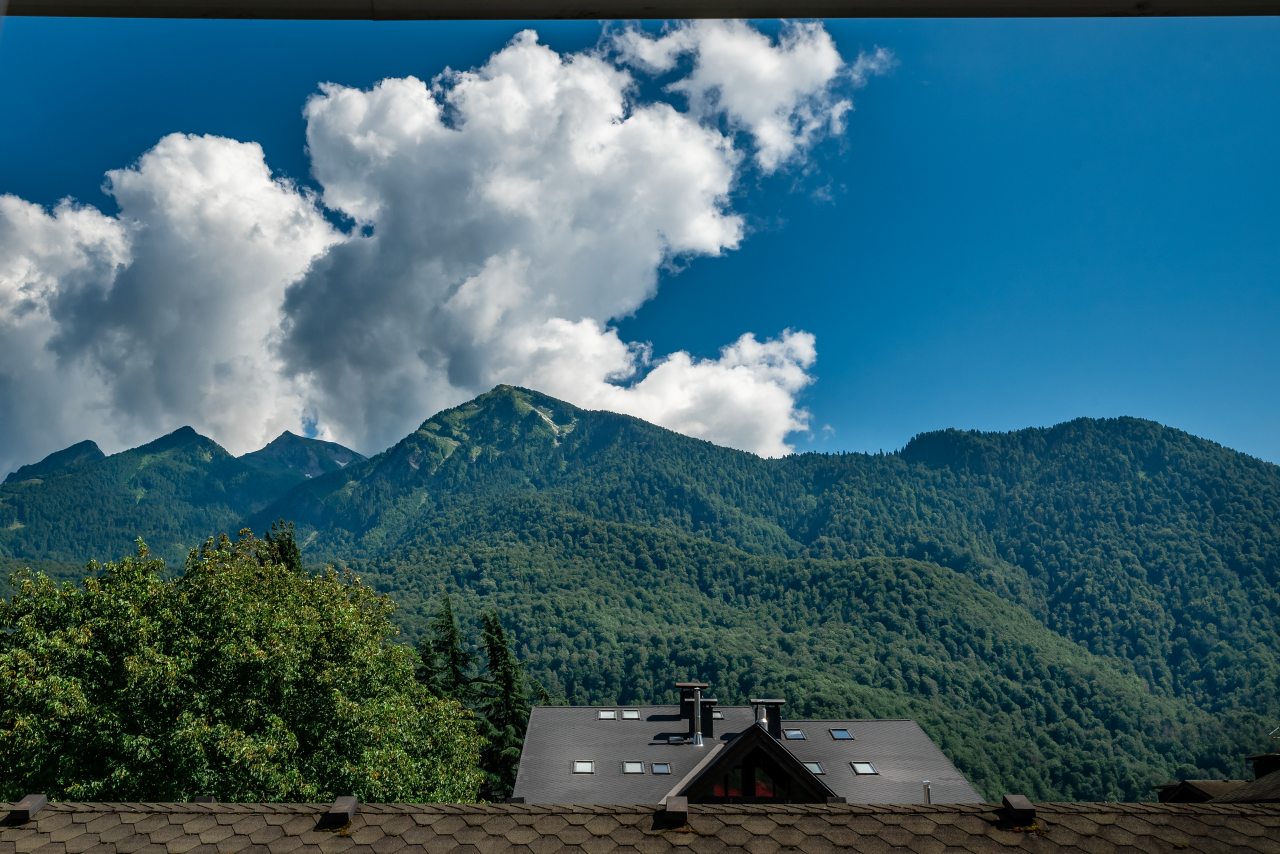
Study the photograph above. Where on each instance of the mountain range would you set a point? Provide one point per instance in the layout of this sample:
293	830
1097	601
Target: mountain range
1082	611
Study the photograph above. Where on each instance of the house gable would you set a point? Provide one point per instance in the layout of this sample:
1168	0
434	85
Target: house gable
753	768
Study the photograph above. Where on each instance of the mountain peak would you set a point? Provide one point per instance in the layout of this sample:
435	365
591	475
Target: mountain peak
290	453
504	414
285	438
183	437
59	461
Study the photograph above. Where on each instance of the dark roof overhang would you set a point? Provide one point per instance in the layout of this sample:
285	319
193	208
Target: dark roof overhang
632	9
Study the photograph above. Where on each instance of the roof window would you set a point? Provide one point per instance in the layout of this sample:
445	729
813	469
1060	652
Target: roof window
814	767
632	767
675	739
660	767
841	734
631	714
716	714
861	768
584	766
607	714
794	734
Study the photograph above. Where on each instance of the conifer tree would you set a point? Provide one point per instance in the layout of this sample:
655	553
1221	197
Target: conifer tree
504	711
282	547
444	663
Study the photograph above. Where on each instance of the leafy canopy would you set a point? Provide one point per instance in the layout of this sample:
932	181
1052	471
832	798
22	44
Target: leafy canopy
244	678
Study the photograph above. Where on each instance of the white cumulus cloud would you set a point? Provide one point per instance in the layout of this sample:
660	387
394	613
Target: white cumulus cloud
161	316
504	218
786	94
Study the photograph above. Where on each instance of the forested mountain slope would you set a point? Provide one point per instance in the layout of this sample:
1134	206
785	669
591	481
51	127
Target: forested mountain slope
1082	611
1156	551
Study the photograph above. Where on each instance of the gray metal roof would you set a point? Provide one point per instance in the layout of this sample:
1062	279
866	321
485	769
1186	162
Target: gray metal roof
903	756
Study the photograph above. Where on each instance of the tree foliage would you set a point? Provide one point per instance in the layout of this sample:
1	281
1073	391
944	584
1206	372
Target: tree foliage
504	707
243	678
500	697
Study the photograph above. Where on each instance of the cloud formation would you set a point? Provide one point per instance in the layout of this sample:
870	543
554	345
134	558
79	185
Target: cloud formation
120	328
785	95
503	218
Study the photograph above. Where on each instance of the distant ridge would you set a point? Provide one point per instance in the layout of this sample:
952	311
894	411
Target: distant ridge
173	491
58	462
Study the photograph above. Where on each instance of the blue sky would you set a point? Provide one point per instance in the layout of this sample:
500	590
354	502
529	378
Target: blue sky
1021	223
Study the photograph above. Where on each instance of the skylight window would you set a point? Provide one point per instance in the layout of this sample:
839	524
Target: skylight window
632	767
841	735
716	714
794	734
861	768
607	714
660	768
675	739
584	766
631	714
814	767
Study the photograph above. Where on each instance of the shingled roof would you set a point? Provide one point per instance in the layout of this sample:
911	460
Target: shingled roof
1262	790
977	828
901	754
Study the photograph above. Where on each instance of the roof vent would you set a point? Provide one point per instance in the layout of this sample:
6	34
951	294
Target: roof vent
769	713
1017	811
24	810
674	812
340	813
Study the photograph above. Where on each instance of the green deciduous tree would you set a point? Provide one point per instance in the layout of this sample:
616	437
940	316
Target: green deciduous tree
243	678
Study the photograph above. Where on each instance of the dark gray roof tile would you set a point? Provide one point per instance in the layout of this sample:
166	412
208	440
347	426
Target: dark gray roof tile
284	845
183	843
761	845
787	836
266	833
420	835
545	845
599	845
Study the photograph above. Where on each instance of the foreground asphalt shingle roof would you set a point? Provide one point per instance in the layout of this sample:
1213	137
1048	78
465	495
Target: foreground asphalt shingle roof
977	828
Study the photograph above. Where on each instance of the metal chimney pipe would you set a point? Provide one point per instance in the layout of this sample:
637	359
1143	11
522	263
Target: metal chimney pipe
697	717
928	796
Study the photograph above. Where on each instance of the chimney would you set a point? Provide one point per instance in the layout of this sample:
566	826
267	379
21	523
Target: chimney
686	700
769	713
691	708
708	717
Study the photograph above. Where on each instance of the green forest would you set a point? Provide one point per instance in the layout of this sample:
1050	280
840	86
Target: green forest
1077	612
